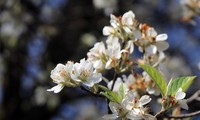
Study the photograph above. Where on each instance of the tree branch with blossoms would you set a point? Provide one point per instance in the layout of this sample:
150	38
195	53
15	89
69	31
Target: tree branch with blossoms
129	92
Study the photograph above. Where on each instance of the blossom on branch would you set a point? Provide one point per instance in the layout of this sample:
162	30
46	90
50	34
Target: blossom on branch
179	97
61	75
84	72
131	107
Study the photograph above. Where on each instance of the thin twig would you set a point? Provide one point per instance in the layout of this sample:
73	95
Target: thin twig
85	89
195	96
184	115
114	80
160	114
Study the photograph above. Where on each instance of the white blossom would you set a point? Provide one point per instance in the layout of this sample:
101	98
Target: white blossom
151	42
61	76
135	107
128	50
159	44
57	88
114	21
97	55
108	30
117	111
84	72
131	107
128	18
179	96
113	52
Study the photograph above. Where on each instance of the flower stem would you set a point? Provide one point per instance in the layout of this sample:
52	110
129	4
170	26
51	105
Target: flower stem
85	89
114	80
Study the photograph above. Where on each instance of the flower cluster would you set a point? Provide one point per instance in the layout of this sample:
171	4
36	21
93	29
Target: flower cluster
74	74
107	56
177	99
149	42
128	94
136	82
131	107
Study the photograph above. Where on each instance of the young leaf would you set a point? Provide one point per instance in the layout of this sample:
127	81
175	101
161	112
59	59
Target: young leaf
121	91
156	77
181	82
112	96
104	88
108	96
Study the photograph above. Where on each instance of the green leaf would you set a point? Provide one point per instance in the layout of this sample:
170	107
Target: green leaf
121	91
156	77
112	96
108	96
180	82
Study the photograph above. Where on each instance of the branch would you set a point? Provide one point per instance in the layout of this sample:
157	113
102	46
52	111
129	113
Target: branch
160	114
114	80
183	116
195	96
85	89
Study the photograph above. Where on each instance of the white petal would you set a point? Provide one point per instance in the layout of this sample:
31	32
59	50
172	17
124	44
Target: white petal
180	95
69	66
151	49
93	79
114	21
110	117
127	102
130	80
137	34
150	90
114	107
108	64
151	32
128	18
112	42
55	73
161	37
144	100
98	65
161	56
183	104
57	88
107	30
127	106
140	49
134	114
162	45
130	46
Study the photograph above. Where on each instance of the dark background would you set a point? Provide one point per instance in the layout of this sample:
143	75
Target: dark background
35	35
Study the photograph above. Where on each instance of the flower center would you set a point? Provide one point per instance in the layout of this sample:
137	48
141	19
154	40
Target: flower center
85	74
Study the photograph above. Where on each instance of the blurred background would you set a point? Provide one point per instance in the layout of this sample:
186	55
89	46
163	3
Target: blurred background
35	35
